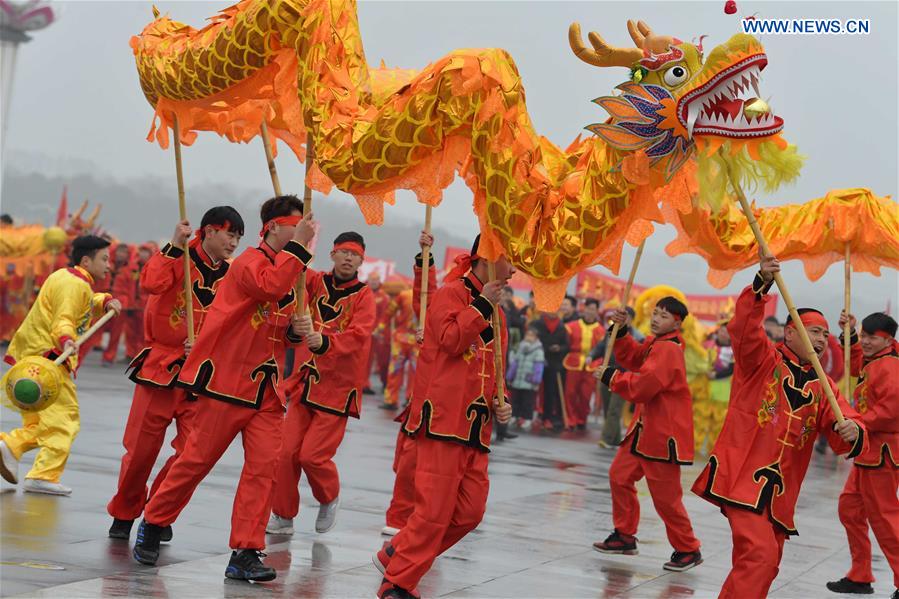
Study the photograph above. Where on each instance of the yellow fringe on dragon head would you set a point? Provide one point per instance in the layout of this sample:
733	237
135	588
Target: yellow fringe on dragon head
299	67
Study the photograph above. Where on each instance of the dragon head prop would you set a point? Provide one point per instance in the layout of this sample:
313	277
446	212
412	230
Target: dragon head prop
677	100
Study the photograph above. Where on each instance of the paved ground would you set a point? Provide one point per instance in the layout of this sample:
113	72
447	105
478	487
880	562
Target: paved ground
549	500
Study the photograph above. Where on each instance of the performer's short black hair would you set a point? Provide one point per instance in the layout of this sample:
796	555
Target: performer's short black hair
508	289
219	215
802	311
571	299
475	246
280	206
350	236
672	305
5	219
879	322
592	301
86	245
772	319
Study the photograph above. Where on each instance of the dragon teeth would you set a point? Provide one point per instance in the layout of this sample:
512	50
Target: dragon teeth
692	115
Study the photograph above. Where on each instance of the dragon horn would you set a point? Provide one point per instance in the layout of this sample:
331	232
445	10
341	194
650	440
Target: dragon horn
93	217
602	54
646	40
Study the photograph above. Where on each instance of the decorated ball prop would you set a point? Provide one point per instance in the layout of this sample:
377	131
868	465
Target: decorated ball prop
54	239
32	384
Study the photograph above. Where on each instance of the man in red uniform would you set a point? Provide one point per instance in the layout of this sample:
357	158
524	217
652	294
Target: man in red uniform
453	425
123	286
403	349
405	456
660	438
777	408
871	495
327	388
157	401
234	368
380	345
583	334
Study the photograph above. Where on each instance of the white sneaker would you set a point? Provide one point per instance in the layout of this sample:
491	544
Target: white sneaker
9	465
279	526
327	516
389	531
36	485
526	425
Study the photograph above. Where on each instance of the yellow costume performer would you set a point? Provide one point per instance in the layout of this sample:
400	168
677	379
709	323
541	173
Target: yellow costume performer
63	310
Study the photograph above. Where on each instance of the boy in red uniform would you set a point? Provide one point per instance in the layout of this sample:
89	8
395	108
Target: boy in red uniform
660	438
403	349
157	401
234	368
379	355
405	456
123	286
453	425
327	387
871	494
777	408
583	334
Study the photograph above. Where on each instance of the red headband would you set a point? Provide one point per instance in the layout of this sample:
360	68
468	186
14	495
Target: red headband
350	246
200	234
883	334
291	220
463	265
811	319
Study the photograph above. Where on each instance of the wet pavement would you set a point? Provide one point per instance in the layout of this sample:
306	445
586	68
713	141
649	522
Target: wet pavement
549	501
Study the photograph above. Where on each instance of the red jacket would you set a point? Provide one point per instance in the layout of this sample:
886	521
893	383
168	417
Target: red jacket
242	343
382	319
332	377
777	408
582	337
165	326
662	427
877	401
125	281
456	404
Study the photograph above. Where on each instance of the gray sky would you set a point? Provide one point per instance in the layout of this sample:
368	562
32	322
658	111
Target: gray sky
77	105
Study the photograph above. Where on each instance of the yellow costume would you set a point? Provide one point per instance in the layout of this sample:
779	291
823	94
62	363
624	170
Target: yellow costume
64	309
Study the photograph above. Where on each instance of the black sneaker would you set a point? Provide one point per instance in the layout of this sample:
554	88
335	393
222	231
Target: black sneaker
146	547
390	591
844	585
389	406
895	594
508	435
683	560
618	543
166	536
368	391
120	529
246	565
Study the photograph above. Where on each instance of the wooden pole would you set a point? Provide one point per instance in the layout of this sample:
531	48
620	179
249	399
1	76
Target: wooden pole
498	371
847	294
425	273
307	208
610	342
87	334
788	299
562	399
270	159
182	210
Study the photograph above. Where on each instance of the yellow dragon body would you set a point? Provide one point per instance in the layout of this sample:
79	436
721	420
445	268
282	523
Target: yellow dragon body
299	66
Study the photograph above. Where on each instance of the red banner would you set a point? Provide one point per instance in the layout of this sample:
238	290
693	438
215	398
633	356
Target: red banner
704	307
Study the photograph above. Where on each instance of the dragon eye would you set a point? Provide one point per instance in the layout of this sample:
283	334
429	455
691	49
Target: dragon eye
675	75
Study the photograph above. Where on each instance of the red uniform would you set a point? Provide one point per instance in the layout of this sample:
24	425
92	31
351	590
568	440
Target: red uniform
405	456
871	495
777	408
126	288
660	437
13	304
453	425
579	381
325	391
157	401
380	346
403	348
235	369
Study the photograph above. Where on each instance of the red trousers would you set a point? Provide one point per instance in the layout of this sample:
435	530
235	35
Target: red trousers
579	387
131	323
216	424
871	497
758	547
403	501
152	411
663	480
402	367
451	487
311	439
